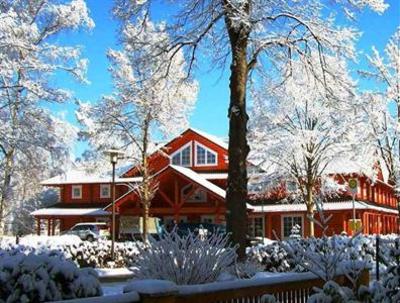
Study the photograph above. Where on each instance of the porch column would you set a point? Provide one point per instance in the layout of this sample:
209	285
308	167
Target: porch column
48	226
269	226
38	226
53	226
177	201
176	214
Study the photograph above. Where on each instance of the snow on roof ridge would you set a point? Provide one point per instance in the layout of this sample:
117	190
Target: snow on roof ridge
327	206
200	180
210	137
81	176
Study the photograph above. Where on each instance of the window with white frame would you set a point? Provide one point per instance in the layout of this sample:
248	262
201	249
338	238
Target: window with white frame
288	222
182	157
76	191
256	227
105	191
205	156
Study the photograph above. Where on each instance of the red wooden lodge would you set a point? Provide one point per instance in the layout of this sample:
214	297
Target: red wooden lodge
192	176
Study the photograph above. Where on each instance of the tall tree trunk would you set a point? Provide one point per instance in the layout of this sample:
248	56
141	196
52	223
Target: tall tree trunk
309	193
6	188
310	209
145	187
236	195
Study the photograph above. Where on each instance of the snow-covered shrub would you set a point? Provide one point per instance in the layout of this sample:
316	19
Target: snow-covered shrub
43	277
332	292
187	259
85	254
98	254
246	269
391	281
273	257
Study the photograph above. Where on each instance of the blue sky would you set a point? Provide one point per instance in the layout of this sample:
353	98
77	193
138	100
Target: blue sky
210	114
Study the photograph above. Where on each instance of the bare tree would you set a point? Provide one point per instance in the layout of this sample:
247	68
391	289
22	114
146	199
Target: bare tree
385	125
144	104
251	34
299	133
29	56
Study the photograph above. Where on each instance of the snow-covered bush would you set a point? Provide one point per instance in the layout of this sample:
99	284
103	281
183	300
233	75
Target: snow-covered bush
273	257
85	254
43	277
333	292
98	254
246	269
187	259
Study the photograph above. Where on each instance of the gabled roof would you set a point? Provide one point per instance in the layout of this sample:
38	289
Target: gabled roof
210	137
195	177
218	141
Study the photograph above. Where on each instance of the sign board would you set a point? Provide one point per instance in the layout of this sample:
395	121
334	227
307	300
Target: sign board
134	225
355	225
353	186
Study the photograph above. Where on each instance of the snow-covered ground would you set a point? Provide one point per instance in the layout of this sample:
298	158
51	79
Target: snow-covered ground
35	240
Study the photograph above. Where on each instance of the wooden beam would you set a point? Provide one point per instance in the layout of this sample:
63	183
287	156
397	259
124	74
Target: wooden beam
164	195
176	191
191	192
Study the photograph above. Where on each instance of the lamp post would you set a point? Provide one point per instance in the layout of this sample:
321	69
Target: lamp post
114	155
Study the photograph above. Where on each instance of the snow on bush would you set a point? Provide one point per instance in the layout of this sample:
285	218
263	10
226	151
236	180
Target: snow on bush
83	253
273	257
187	259
246	269
276	257
43	277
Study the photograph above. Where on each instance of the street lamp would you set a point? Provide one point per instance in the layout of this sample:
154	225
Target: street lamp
114	155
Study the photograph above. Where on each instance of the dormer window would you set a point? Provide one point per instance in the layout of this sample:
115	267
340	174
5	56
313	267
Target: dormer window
77	192
182	157
205	156
105	191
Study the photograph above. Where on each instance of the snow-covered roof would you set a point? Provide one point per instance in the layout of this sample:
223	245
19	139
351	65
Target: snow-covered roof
212	138
70	212
192	175
343	166
327	206
80	176
214	176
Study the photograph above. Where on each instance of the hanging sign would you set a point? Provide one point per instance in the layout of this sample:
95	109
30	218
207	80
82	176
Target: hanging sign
353	186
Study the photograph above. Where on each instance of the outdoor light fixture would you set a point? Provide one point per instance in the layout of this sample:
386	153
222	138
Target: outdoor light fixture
114	155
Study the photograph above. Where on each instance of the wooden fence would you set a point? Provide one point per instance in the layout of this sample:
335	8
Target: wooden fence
295	289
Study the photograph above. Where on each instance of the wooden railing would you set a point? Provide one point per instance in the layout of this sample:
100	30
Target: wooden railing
296	288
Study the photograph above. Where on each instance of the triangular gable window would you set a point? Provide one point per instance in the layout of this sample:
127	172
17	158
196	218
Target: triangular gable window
205	156
182	157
